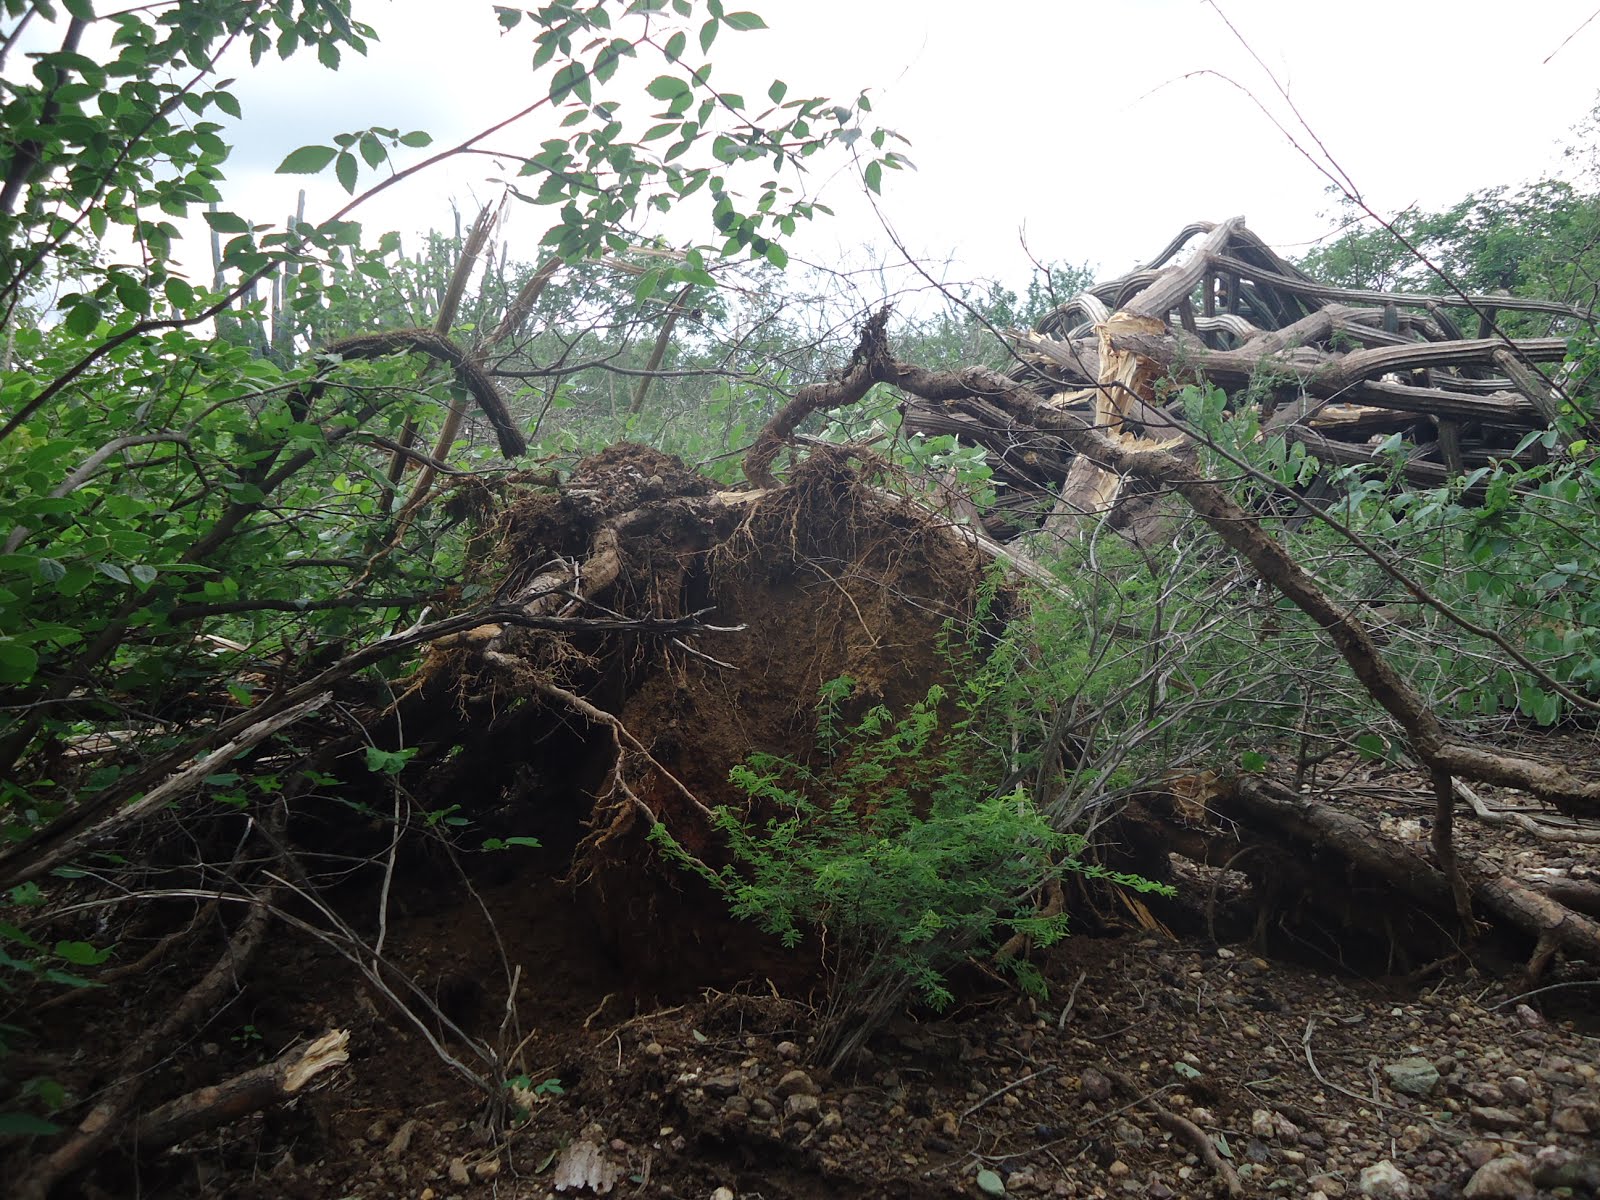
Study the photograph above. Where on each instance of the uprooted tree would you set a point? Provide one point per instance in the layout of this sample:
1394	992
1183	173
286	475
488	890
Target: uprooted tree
280	657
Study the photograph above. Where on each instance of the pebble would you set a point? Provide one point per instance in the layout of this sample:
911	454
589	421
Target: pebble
1413	1076
722	1193
401	1141
1093	1085
1477	1153
1498	1119
788	1050
801	1106
1509	1177
489	1168
797	1083
1571	1119
1482	1092
458	1171
1384	1181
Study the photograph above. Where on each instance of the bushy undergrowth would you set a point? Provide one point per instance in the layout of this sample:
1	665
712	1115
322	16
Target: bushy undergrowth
905	848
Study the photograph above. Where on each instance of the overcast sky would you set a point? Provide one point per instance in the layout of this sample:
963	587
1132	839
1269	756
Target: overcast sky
1095	130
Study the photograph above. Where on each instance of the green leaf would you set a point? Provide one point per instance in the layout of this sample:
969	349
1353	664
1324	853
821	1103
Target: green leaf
17	662
228	103
567	81
307	160
82	9
416	139
743	21
143	572
1371	746
112	571
1253	761
708	34
874	177
227	222
85	315
82	954
675	46
345	170
777	255
372	150
777	91
510	18
666	87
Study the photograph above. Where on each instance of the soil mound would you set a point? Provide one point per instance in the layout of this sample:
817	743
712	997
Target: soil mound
589	739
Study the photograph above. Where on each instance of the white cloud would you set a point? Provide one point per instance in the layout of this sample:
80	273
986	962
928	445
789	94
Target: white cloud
1101	129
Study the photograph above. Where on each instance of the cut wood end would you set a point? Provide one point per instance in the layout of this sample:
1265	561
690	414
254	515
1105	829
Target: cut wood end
329	1050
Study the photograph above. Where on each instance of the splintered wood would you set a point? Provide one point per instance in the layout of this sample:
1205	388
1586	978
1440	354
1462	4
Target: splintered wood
1335	369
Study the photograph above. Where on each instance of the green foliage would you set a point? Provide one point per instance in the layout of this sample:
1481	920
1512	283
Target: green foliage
1509	547
892	847
1540	240
901	847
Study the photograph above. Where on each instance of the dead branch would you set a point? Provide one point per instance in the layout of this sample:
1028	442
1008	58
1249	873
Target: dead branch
110	1111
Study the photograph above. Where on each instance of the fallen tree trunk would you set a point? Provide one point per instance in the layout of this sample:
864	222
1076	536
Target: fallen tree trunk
276	1082
1314	829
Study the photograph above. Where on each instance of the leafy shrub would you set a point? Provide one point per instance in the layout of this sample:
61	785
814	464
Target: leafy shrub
897	850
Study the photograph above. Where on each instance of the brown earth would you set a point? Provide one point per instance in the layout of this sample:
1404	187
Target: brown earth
1283	1064
659	1038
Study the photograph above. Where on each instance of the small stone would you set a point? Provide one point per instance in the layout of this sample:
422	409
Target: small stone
1477	1153
378	1130
1093	1085
1555	1167
653	1050
1498	1119
1413	1076
1570	1119
722	1193
788	1050
401	1141
1517	1089
830	1124
801	1106
947	1124
487	1169
721	1085
458	1172
1118	1169
762	1110
1383	1181
1528	1016
1203	1117
1128	1134
1329	1185
1509	1177
797	1083
1482	1092
736	1104
990	1183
